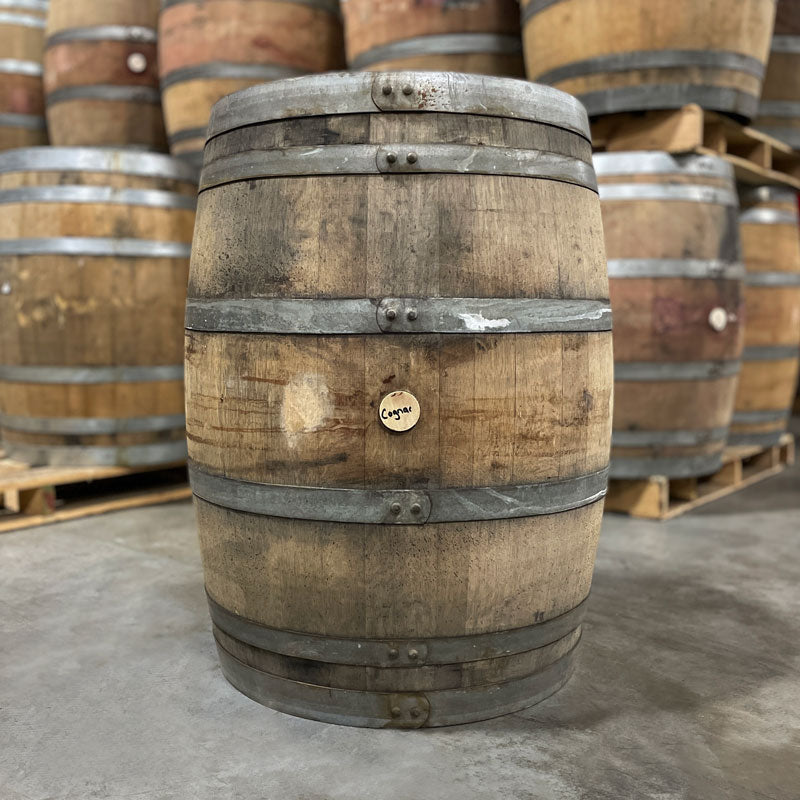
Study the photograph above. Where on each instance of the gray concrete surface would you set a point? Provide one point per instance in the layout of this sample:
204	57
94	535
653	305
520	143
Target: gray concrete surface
687	686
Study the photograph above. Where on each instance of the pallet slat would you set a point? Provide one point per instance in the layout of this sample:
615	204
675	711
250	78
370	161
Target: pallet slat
660	498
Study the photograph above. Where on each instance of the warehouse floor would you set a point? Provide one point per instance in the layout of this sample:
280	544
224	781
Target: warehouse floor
687	687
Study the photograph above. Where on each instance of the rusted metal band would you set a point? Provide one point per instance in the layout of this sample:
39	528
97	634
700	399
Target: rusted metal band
440	45
397	315
93	159
154	198
392	159
34	122
391	653
395	710
113	94
94	246
668	438
17	66
229	70
400	506
104	33
370	93
632	61
681	371
91	426
700	269
90	375
773	352
678	467
139	455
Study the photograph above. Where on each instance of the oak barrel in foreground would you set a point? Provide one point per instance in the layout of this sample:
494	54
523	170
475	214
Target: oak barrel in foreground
217	47
633	55
94	256
22	121
481	36
771	246
674	263
398	371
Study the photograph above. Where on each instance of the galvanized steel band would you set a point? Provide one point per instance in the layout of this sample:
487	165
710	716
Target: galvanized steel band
768	216
772	352
34	122
785	44
680	371
16	66
390	159
416	709
122	94
670	192
369	93
758	417
186	134
708	269
229	70
752	196
667	438
440	45
90	375
773	279
92	425
400	506
331	6
154	198
398	315
23	20
393	653
769	439
28	5
789	135
678	467
94	246
651	162
104	33
654	59
88	159
137	455
779	108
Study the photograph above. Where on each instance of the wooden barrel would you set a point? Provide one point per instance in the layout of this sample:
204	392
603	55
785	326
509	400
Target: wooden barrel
674	260
22	120
398	382
481	36
771	246
210	48
779	111
94	248
101	74
634	55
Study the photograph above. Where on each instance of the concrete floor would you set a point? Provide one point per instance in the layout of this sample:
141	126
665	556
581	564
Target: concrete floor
687	687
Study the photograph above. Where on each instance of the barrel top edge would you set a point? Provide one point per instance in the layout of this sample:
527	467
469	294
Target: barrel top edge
658	162
95	159
339	93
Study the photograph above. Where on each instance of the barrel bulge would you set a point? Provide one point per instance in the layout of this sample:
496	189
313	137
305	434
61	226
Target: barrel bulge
641	54
676	289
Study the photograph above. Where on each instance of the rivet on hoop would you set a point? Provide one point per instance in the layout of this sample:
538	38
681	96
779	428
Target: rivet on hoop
411	314
391	313
396	509
391	157
407	89
413	655
411	158
416	508
396	711
387	89
393	653
414	712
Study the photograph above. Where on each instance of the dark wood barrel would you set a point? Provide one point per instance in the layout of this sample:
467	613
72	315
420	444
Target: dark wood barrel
398	373
481	36
779	111
771	246
633	55
22	121
211	48
674	263
94	251
101	74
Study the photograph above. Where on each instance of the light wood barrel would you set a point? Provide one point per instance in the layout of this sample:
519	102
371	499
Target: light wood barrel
479	36
94	250
771	246
211	48
358	269
634	55
101	74
779	111
22	121
674	263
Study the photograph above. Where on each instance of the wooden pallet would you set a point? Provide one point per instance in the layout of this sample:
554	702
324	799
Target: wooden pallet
31	496
757	158
663	498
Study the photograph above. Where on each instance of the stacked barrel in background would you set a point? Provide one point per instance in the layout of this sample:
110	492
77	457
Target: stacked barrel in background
479	36
674	260
771	245
22	121
212	48
779	111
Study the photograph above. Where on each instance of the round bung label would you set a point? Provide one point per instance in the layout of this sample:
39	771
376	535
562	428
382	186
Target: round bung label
399	411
